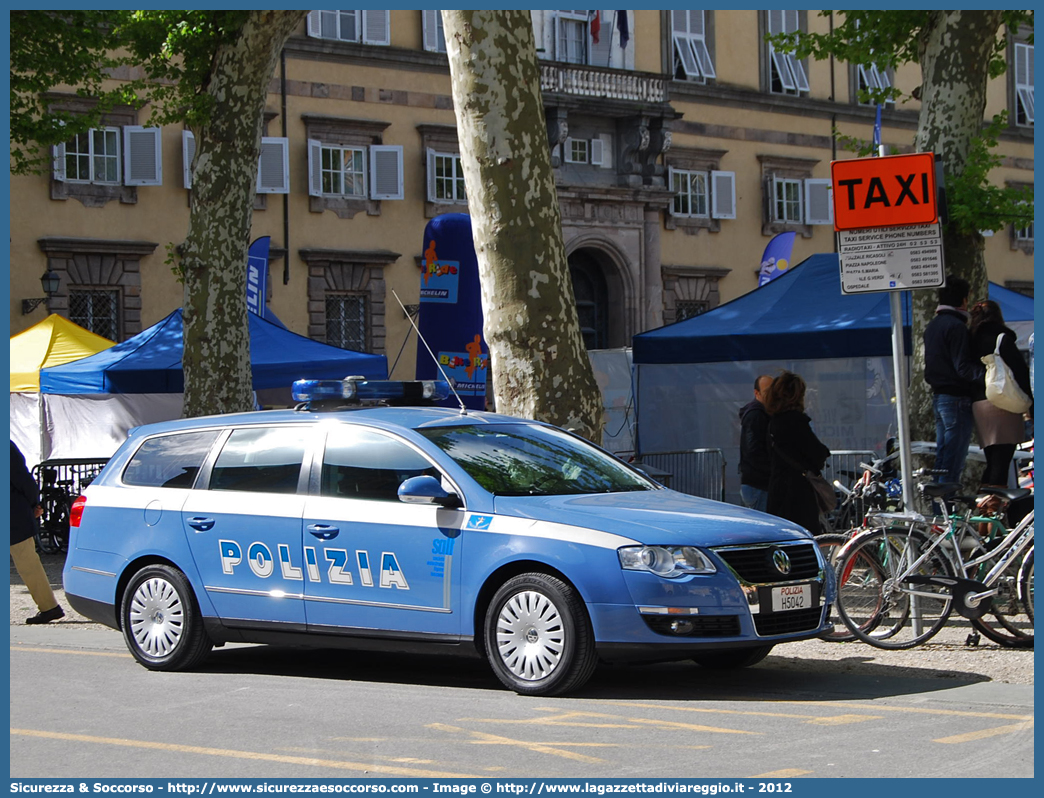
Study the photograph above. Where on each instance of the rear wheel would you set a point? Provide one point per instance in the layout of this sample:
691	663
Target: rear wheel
878	601
731	658
1026	585
161	623
539	639
1006	622
830	546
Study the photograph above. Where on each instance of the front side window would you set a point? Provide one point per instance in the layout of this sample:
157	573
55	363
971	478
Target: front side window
261	460
93	156
1023	84
343	171
364	464
169	461
692	59
524	460
346	321
97	311
786	73
787	204
690	193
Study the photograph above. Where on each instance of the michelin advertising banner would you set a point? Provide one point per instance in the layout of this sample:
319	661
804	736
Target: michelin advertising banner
451	311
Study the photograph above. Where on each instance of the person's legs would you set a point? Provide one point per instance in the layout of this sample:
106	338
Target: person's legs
953	433
962	435
998	462
27	563
754	498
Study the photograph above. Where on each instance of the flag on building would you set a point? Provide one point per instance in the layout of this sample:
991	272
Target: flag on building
596	24
776	259
625	33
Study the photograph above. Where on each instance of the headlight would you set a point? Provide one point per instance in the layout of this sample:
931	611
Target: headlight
666	561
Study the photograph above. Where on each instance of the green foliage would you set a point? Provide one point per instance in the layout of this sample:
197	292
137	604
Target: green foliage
973	202
164	59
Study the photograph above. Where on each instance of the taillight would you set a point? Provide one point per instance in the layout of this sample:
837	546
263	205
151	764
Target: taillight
76	511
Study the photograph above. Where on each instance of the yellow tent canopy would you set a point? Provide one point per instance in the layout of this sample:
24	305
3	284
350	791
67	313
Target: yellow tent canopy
52	342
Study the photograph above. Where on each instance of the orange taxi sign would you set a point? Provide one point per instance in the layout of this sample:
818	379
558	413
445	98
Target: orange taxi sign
884	192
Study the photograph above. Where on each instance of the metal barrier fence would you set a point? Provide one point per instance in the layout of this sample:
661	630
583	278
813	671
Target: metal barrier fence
698	472
843	465
67	476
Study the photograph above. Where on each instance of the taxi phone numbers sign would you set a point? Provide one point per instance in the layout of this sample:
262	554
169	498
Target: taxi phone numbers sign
886	217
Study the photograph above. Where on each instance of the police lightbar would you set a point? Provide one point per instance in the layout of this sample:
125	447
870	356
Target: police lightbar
359	389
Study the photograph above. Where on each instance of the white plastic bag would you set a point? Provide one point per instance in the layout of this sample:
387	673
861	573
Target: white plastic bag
1001	388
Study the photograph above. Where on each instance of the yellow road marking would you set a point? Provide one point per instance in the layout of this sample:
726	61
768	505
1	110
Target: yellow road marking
480	738
335	764
563	719
70	651
971	737
810	718
560	720
782	774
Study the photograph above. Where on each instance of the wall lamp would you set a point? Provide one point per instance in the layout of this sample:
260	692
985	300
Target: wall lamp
50	282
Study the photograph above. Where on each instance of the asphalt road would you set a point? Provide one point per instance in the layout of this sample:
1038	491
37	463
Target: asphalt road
82	707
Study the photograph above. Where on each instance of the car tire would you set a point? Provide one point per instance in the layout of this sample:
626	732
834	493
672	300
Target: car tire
539	639
731	658
161	621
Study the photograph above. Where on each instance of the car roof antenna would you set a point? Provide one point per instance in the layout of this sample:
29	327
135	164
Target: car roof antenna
463	407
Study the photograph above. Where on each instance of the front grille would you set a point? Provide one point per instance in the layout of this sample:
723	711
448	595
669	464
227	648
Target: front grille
753	564
778	623
703	625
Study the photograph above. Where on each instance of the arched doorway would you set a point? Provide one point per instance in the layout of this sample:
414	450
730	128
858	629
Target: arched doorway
592	299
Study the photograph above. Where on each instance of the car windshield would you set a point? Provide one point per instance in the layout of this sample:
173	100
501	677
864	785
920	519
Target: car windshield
526	460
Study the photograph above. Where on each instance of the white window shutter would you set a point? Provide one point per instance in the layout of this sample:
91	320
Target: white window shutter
273	166
596	151
431	175
670	186
819	206
567	150
376	27
386	172
58	153
188	152
142	156
600	54
315	25
315	166
558	37
723	195
430	25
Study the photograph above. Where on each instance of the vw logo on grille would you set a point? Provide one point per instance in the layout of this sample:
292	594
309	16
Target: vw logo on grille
781	560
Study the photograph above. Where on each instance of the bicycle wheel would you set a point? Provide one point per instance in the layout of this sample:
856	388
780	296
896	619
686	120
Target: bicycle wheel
831	546
1006	621
879	604
1026	585
52	535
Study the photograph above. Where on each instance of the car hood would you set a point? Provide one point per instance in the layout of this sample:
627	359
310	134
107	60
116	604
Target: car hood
656	517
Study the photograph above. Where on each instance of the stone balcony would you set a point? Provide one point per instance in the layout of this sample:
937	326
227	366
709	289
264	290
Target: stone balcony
599	83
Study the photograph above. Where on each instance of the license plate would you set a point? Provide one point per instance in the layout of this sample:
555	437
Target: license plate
791	597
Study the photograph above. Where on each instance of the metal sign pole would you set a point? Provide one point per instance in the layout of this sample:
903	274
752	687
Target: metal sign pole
903	427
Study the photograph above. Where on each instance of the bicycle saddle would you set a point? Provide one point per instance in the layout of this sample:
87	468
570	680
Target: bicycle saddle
1011	494
940	490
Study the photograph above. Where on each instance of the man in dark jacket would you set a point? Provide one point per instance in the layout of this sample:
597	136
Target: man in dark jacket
952	373
754	463
25	509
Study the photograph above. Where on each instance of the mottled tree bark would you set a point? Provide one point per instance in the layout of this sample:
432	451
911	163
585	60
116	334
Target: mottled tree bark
214	254
540	366
955	53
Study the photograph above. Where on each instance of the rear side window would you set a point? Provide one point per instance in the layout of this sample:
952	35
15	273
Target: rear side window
169	461
361	464
261	460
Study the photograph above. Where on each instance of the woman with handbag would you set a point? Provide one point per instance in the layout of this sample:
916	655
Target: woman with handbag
999	430
796	454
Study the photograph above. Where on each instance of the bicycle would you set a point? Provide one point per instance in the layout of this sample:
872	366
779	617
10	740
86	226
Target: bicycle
898	583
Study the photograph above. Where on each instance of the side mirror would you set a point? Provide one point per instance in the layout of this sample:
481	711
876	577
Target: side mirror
427	490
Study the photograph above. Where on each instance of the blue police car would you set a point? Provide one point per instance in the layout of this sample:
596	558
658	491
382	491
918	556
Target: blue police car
342	524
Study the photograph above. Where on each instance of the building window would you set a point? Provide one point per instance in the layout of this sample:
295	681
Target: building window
786	205
346	324
571	36
1024	233
349	166
93	156
870	77
691	196
794	200
97	311
1023	84
786	74
687	309
368	27
592	300
445	178
343	171
690	290
434	34
692	58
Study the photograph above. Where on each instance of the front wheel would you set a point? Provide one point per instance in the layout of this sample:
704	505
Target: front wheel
161	623
830	546
1006	621
1026	585
731	658
538	637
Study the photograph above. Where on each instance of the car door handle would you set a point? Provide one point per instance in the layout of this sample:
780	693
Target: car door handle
201	524
324	531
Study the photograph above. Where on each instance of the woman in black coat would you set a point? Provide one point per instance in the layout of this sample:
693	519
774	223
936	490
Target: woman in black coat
792	443
999	431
